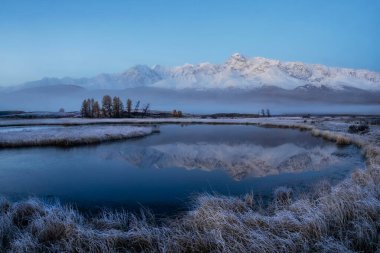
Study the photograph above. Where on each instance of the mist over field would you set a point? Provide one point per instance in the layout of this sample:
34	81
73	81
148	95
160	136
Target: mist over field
279	101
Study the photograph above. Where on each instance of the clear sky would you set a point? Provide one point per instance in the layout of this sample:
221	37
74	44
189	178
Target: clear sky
83	38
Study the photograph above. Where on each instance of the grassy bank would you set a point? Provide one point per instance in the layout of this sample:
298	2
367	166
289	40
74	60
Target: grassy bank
344	218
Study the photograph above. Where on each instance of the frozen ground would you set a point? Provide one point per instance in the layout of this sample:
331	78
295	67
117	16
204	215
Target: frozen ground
66	136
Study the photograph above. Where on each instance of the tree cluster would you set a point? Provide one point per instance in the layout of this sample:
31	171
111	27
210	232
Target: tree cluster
90	108
265	113
177	114
110	108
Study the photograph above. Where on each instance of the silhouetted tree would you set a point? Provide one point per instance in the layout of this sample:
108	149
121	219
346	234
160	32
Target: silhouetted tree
262	112
61	110
137	107
107	106
268	113
146	109
129	107
177	114
91	102
111	107
117	107
87	108
96	110
84	108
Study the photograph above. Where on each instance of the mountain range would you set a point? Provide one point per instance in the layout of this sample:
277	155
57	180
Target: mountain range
237	72
240	84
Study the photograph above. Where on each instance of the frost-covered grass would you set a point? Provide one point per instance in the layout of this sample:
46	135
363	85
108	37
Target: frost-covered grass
68	136
343	218
340	218
339	138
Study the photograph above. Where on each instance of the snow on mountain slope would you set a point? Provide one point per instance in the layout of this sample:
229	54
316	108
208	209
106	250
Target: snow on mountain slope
237	72
241	72
137	76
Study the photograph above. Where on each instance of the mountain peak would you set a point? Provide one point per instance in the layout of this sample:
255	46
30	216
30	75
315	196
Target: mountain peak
236	62
238	57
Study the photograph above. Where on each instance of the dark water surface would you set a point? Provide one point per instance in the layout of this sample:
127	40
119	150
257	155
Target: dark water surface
164	171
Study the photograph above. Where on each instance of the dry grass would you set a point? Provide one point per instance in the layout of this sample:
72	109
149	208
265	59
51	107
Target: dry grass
338	138
344	218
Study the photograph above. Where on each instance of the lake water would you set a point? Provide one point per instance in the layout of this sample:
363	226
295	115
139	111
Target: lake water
165	171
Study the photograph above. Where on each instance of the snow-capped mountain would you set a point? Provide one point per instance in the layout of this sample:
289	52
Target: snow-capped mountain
237	72
136	76
241	72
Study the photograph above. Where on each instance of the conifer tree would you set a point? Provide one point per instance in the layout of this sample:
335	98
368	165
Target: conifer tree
107	106
90	112
84	109
117	107
129	107
96	110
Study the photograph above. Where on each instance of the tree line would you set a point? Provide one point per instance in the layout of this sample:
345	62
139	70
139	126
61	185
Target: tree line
111	108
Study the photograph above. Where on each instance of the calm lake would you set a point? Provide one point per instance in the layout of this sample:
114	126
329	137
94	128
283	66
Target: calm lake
165	171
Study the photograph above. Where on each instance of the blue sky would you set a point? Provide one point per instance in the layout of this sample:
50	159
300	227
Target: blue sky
83	38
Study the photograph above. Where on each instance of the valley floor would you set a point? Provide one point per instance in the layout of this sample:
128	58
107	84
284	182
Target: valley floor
340	218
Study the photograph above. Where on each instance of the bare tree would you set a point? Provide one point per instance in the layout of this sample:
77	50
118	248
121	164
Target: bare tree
145	109
137	107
